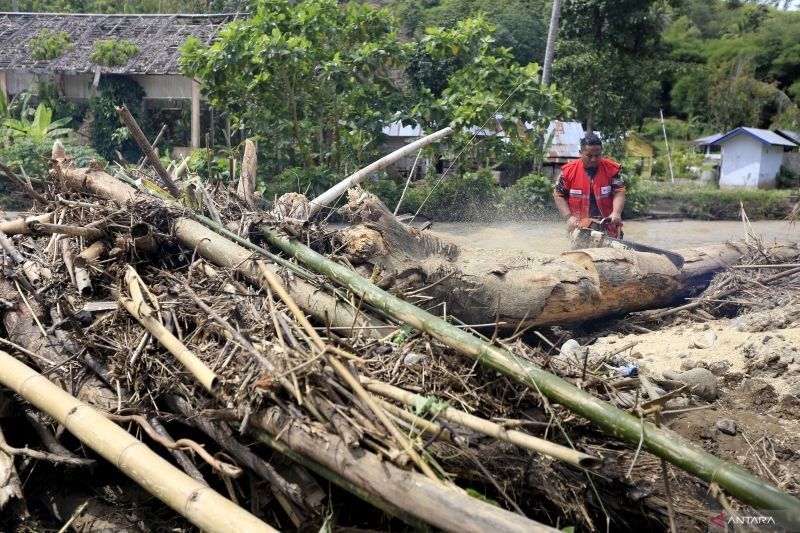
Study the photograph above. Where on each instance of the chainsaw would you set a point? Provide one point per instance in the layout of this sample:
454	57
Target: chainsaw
594	233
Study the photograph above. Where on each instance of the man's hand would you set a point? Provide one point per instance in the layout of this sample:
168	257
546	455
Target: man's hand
572	223
615	219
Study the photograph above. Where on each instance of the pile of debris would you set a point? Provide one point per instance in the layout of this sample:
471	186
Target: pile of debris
190	340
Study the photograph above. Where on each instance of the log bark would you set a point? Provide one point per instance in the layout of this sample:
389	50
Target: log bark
445	507
519	289
247	179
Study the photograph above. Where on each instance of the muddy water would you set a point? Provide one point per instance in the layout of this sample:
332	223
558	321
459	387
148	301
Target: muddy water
550	237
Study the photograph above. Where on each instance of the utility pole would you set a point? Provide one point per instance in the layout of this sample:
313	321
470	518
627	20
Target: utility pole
551	42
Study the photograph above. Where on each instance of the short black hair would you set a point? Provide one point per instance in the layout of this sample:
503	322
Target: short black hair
591	139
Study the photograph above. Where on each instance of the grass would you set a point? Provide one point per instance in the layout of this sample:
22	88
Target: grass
709	203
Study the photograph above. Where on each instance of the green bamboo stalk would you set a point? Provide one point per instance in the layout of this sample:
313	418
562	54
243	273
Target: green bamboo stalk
743	485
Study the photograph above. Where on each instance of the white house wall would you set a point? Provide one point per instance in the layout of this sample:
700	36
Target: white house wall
741	162
771	162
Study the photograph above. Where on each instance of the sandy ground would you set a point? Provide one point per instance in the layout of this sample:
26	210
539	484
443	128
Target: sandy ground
771	354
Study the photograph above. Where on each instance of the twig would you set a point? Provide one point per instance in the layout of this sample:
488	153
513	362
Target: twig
220	467
701	301
45	456
82	507
345	374
25	187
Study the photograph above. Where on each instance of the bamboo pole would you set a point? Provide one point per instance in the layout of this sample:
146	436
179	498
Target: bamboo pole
20	226
138	308
340	188
228	250
620	424
83	280
201	505
518	438
385	485
71	231
147	149
143	238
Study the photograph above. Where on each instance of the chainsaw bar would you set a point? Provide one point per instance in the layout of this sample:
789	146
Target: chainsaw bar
587	237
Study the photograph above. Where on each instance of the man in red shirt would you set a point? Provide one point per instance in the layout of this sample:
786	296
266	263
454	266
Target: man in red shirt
590	187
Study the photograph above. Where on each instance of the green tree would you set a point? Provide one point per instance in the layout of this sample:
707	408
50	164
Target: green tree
313	78
604	60
482	86
107	133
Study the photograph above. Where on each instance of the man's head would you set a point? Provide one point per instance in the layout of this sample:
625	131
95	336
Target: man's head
591	150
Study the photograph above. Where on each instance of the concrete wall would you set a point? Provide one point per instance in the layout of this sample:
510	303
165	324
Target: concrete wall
79	86
741	162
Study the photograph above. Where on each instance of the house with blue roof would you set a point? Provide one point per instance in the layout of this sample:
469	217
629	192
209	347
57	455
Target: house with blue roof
751	157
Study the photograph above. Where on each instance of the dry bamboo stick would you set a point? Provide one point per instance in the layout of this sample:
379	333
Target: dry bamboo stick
83	280
340	188
20	226
247	179
138	308
382	484
432	428
201	505
405	444
62	229
143	238
148	151
91	253
523	440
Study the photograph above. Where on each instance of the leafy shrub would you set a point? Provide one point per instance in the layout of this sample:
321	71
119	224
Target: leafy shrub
637	197
469	197
108	134
50	44
787	179
34	155
530	197
112	53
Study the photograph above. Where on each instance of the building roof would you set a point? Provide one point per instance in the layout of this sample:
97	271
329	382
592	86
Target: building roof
763	136
791	135
396	129
158	37
566	141
708	139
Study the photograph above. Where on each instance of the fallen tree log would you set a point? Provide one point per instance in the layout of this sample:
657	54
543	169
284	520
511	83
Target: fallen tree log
519	289
662	443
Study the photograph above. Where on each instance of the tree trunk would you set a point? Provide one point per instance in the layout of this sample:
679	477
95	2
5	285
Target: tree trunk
555	14
517	288
247	177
